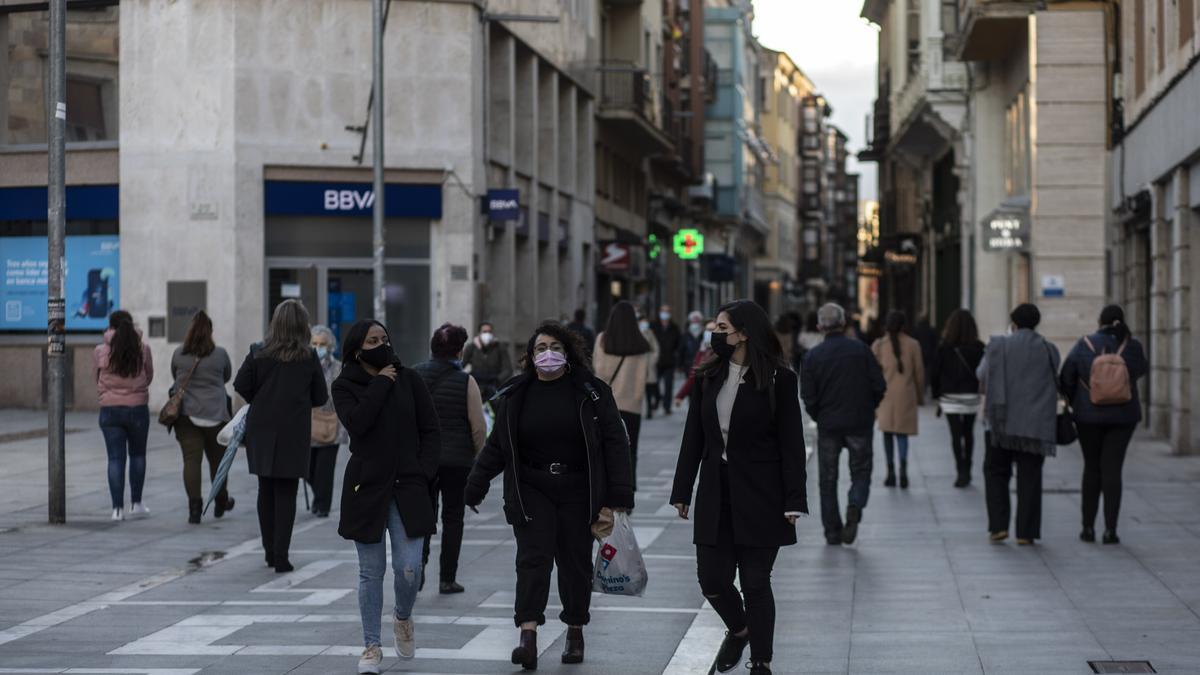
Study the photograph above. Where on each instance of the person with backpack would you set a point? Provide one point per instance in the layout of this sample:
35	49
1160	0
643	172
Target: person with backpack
622	358
1100	378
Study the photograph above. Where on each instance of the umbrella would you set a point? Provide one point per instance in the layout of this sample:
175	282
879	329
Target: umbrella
237	431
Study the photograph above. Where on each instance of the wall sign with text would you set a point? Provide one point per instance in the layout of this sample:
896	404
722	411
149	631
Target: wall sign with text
91	287
301	198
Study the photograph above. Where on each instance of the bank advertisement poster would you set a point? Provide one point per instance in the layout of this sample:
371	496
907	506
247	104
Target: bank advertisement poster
91	287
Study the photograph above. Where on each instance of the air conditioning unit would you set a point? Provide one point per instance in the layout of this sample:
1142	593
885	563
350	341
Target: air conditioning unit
705	192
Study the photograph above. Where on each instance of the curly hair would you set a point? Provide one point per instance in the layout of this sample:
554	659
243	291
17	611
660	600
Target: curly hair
572	344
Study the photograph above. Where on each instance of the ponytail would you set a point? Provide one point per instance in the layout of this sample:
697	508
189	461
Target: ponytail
896	322
1112	322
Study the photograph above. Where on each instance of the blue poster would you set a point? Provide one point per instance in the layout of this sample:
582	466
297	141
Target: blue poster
93	266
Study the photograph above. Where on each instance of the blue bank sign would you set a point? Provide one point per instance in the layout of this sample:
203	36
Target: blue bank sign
405	200
504	205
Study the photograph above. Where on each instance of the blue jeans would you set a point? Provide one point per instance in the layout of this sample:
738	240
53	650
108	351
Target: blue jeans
829	449
125	429
892	441
406	570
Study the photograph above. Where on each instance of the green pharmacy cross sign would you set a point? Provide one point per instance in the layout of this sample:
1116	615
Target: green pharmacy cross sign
689	244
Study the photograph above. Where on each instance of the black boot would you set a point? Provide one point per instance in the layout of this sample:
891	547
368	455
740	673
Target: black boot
526	652
890	481
573	650
760	668
195	506
729	656
853	517
904	474
223	506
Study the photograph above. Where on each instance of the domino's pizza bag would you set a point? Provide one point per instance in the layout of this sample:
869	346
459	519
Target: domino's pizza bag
620	569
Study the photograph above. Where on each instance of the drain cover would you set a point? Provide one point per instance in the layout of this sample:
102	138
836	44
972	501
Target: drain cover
1121	667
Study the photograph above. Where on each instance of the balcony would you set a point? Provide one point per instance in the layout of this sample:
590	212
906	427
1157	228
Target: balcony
925	111
991	28
628	101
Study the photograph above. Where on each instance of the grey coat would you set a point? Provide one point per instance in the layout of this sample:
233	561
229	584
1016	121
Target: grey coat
205	396
1019	374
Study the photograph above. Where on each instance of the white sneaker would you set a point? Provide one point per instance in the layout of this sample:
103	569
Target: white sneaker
370	660
405	634
139	509
118	514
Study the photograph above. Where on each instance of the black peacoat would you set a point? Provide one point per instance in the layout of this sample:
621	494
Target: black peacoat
395	441
281	395
766	460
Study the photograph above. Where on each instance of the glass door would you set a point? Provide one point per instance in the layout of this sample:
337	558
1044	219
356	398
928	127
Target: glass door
349	295
285	283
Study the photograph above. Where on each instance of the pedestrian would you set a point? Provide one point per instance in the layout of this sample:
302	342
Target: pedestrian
670	341
842	384
652	391
691	339
281	379
460	413
561	446
488	361
900	358
201	369
579	327
124	370
621	357
927	338
956	388
685	390
328	434
1099	378
752	490
785	332
1019	377
395	447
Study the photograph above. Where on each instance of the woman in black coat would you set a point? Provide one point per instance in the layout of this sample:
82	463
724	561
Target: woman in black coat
282	381
745	437
564	453
394	446
956	387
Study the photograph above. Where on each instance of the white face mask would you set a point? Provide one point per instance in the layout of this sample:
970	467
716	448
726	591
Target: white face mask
643	326
486	338
696	329
707	337
664	316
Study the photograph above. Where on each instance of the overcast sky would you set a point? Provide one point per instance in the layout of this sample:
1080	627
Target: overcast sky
837	50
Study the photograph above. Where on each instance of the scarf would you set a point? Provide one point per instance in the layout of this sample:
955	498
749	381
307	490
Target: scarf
1022	392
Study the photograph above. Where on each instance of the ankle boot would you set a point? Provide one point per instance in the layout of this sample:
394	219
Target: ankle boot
195	506
526	652
890	481
904	473
573	650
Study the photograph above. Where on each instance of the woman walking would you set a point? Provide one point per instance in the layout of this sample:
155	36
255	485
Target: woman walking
1100	378
394	447
956	387
282	381
562	448
327	433
124	370
900	357
460	410
622	358
201	369
744	436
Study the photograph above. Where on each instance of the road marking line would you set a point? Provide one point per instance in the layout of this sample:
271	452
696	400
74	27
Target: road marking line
105	671
698	648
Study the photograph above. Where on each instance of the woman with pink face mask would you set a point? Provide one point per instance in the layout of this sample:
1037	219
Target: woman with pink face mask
562	447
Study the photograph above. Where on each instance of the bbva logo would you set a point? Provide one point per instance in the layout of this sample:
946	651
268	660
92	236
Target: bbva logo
349	200
503	204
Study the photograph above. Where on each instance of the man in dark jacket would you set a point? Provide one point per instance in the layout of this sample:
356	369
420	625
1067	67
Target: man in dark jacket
579	327
842	384
487	360
670	340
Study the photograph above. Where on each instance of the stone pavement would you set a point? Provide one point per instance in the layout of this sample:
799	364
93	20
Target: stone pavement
921	592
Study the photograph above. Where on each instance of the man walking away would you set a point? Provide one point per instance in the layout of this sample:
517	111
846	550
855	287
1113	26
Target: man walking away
670	340
579	327
832	385
487	360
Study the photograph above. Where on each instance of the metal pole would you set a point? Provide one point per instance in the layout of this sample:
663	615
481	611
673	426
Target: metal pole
377	268
56	225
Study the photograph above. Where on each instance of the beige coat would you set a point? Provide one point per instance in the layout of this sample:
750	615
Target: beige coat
897	412
629	388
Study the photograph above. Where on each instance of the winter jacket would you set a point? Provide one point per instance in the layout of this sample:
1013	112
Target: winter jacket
205	396
629	387
281	395
460	411
669	342
610	470
1077	373
490	365
395	443
115	390
953	369
842	384
331	368
897	412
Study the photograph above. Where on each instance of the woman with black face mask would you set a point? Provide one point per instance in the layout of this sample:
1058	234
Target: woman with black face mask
744	437
395	442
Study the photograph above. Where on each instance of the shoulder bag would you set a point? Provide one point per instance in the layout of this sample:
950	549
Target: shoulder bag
169	415
1064	430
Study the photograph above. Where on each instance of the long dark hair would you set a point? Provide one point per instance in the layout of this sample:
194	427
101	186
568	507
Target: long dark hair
764	354
356	336
290	336
621	335
125	357
1112	321
960	329
896	322
199	339
571	342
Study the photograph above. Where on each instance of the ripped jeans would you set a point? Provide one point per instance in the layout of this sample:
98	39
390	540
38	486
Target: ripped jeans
406	570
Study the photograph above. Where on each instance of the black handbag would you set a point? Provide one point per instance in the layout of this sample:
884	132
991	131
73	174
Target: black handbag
1064	429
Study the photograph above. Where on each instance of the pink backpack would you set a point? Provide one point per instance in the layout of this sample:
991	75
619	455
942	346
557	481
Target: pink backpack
1109	381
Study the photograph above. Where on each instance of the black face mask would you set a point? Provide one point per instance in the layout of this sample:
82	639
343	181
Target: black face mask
378	358
721	347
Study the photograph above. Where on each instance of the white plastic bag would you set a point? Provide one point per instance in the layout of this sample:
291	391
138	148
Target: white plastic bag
225	436
620	569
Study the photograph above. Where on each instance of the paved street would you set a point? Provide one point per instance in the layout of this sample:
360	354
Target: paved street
921	592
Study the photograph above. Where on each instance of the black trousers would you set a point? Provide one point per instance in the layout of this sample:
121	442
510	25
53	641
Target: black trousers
450	485
322	462
716	567
1104	447
998	470
633	427
666	387
962	442
558	533
277	515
